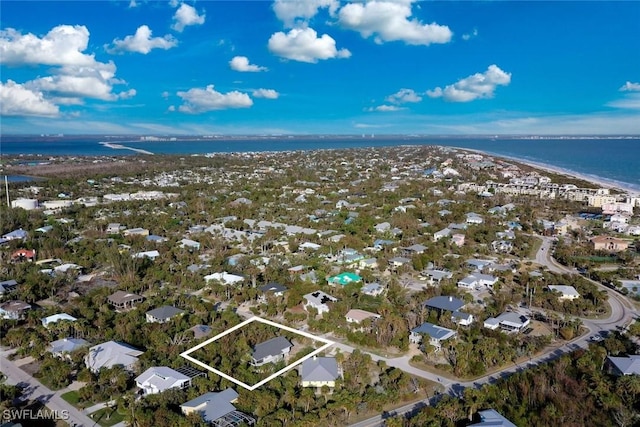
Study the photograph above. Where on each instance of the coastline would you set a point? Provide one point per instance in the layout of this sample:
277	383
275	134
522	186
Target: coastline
623	187
124	147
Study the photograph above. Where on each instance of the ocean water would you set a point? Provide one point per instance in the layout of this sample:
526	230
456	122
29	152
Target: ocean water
616	160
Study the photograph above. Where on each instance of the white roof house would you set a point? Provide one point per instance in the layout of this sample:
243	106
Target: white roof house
225	278
66	345
508	322
217	409
568	292
46	321
319	300
160	378
110	354
356	315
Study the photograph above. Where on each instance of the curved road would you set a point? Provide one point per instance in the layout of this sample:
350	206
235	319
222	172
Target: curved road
622	313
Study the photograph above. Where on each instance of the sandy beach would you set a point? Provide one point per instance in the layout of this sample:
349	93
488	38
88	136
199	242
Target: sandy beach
124	147
595	180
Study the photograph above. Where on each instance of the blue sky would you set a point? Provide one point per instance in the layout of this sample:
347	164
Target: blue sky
320	66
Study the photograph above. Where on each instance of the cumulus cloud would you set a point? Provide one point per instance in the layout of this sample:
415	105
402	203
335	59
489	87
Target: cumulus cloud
304	45
63	45
185	16
403	96
630	87
198	100
289	11
476	86
391	21
142	42
241	63
266	93
385	108
17	100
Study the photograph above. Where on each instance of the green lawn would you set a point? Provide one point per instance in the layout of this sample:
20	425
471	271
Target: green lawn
101	417
74	398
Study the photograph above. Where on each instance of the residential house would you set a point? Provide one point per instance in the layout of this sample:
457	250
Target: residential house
382	227
224	278
200	331
458	239
14	310
319	372
502	246
273	289
608	243
319	300
373	289
18	234
478	264
508	322
190	244
437	334
161	378
397	262
358	316
23	255
461	318
368	263
8	286
122	300
476	280
163	314
436	276
147	254
63	347
344	279
567	292
113	228
444	303
445	232
216	409
623	365
413	250
110	354
474	218
155	238
136	232
492	418
46	321
271	351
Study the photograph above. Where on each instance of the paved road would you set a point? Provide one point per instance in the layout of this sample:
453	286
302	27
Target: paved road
622	313
33	389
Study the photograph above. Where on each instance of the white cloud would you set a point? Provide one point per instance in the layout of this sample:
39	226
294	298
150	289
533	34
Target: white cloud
630	87
63	45
304	45
476	86
266	93
404	96
165	94
241	63
631	101
173	3
142	42
80	82
171	108
469	36
185	16
390	21
288	11
385	108
17	100
133	4
198	100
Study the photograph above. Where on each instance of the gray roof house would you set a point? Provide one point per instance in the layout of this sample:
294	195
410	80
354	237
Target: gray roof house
200	331
110	354
217	409
319	372
14	310
270	351
163	314
61	347
8	286
437	334
160	378
492	418
629	365
122	300
444	303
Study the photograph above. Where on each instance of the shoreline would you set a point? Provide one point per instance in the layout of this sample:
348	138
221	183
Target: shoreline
623	187
124	147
